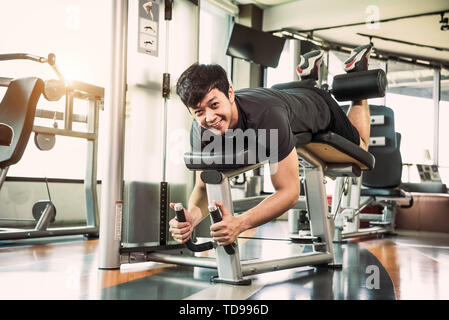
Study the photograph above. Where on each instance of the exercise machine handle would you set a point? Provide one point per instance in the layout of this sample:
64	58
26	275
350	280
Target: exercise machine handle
181	217
216	217
22	56
407	206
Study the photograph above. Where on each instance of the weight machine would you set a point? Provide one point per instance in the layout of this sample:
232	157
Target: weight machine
18	111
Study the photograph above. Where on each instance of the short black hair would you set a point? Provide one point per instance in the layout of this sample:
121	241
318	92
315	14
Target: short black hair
195	82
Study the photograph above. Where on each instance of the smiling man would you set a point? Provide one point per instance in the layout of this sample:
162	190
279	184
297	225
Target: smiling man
220	112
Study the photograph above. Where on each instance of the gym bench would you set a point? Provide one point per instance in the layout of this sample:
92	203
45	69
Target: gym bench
321	155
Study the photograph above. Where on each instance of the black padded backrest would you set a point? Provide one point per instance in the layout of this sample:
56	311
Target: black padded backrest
17	110
386	129
387	172
295	84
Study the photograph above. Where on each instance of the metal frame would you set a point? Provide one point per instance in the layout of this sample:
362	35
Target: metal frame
111	197
230	269
347	222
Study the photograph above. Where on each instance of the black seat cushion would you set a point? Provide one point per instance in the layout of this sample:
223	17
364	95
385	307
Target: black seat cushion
329	147
393	192
18	109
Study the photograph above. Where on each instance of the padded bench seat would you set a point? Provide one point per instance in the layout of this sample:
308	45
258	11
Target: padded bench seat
329	147
333	148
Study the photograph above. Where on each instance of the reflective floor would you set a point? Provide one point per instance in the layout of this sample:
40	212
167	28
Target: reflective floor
394	267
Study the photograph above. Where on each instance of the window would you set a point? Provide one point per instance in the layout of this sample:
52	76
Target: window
443	150
285	71
410	95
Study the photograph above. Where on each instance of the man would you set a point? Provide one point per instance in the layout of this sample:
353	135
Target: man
218	109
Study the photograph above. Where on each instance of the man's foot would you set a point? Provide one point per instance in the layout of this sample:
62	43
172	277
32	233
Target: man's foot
358	59
309	65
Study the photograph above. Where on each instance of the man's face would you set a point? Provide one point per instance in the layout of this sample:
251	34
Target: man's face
215	112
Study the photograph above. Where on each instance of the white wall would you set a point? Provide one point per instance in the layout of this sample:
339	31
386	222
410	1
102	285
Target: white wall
144	116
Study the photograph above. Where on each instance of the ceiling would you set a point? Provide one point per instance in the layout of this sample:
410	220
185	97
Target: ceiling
302	16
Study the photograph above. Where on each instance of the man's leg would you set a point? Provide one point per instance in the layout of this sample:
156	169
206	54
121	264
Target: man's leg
358	114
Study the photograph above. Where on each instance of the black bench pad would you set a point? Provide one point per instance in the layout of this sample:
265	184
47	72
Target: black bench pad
393	192
329	146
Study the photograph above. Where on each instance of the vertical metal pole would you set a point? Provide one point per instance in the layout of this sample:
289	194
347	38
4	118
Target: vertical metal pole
436	115
229	267
338	192
109	255
3	173
164	121
318	207
90	180
386	70
68	114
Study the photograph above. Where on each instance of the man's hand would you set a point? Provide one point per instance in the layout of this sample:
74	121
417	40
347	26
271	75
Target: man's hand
226	231
181	231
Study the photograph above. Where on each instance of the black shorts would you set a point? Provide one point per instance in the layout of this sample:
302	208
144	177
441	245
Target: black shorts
340	123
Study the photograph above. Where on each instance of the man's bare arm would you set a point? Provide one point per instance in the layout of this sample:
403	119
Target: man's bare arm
198	204
286	184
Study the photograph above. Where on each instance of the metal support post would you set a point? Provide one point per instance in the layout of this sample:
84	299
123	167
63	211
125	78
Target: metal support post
110	215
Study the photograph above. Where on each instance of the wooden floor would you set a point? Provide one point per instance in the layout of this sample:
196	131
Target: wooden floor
418	266
67	268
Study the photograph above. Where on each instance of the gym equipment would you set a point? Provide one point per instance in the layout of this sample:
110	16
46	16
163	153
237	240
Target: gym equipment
346	87
179	210
428	187
215	215
111	244
352	86
18	109
381	185
359	85
320	155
